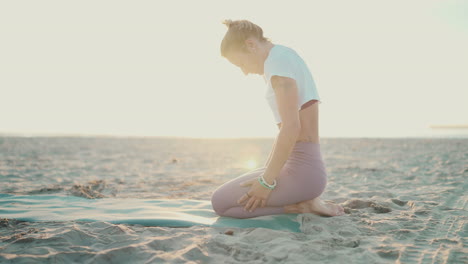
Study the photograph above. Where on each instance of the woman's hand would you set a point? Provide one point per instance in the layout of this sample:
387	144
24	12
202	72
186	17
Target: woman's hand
257	195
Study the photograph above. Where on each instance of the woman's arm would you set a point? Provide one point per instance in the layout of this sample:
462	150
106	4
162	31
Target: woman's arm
271	152
286	97
273	148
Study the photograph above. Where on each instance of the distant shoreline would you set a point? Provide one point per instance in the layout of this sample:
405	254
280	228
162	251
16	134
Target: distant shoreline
85	136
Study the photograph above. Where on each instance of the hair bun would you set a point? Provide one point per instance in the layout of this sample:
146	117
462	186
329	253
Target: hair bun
227	22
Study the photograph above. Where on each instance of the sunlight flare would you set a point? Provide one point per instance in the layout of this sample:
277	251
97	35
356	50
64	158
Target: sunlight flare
251	164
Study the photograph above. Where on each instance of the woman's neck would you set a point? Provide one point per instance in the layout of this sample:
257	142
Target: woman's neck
267	48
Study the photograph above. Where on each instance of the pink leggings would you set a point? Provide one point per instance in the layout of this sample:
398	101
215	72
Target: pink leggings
303	177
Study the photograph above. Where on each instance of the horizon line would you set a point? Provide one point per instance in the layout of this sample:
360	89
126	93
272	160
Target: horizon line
85	135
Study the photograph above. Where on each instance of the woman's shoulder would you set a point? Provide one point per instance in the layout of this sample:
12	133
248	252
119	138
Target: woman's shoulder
282	50
281	61
283	53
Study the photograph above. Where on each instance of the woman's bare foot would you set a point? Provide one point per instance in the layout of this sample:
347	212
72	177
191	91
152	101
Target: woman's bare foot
315	206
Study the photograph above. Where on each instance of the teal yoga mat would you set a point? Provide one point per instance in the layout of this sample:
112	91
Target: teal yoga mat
147	212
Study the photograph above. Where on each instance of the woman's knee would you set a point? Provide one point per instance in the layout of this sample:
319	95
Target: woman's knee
222	197
216	202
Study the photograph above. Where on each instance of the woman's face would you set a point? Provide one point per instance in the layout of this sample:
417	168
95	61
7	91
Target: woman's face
248	62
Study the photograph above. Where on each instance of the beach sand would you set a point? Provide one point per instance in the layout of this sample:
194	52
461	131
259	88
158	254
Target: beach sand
405	199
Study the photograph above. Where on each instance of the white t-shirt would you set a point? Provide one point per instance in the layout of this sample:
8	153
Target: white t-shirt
284	61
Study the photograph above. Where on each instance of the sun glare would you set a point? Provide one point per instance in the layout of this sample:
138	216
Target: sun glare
251	164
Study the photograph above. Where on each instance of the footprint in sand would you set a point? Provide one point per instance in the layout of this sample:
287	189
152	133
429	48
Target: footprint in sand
360	204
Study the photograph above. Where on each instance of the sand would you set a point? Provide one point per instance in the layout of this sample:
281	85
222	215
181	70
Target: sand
405	199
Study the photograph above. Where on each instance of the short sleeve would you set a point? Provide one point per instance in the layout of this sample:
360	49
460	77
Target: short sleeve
280	65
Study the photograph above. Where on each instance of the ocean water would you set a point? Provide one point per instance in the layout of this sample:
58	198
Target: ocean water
372	177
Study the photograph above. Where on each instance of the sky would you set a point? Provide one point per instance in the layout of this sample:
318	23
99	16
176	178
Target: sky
153	68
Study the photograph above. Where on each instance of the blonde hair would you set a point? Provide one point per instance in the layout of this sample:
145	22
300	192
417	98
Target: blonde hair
238	32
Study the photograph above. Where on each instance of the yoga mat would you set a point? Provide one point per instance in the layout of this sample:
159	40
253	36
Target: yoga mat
147	212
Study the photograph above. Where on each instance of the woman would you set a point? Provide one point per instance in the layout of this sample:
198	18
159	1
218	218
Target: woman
294	176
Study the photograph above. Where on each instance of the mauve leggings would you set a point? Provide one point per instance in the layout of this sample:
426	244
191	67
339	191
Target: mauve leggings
303	177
